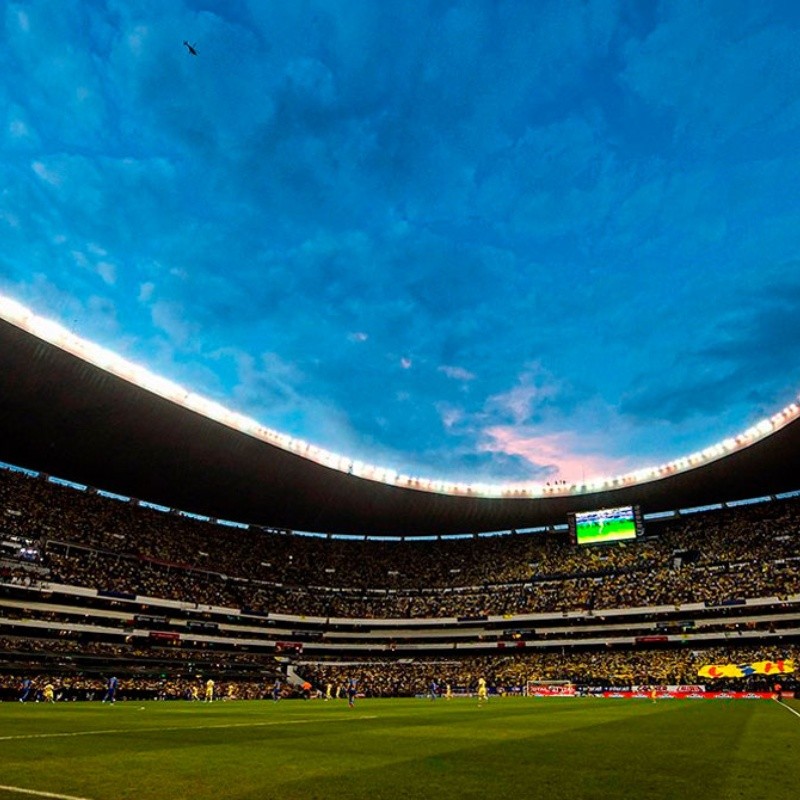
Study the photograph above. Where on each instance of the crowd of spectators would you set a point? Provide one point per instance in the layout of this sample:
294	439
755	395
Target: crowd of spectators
631	588
386	678
68	687
86	539
130	653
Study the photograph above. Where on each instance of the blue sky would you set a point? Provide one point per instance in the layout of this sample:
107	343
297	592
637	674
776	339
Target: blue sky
475	240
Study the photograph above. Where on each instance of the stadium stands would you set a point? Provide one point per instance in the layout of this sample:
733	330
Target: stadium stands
90	584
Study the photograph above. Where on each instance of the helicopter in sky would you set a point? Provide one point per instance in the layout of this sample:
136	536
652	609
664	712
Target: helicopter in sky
190	48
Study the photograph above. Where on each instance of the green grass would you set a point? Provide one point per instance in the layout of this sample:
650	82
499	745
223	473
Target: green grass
548	748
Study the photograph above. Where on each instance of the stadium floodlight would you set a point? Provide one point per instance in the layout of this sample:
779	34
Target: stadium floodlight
15	313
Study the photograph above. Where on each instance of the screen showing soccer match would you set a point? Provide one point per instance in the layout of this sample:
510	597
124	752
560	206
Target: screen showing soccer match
607	525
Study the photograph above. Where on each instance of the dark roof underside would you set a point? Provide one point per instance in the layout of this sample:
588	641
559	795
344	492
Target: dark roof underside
62	416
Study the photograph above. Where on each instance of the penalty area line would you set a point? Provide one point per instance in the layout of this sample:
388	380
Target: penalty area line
36	793
134	731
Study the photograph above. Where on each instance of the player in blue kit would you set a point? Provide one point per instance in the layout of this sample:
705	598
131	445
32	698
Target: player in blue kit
111	691
351	692
25	689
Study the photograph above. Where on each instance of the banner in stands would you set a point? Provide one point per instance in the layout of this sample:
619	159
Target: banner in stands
165	636
691	695
289	647
779	666
551	691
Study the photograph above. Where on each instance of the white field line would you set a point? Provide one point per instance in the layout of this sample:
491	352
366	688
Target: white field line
20	790
179	728
788	708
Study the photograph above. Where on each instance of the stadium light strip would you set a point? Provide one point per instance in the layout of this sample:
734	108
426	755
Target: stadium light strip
17	314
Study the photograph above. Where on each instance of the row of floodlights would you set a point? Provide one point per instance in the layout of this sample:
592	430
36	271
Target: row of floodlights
56	334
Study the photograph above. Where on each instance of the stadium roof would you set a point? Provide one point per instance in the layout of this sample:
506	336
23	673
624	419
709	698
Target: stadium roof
63	415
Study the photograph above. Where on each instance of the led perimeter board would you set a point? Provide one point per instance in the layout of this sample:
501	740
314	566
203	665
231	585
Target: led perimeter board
606	525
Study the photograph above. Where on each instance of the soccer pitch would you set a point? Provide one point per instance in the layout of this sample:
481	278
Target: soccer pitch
550	748
610	530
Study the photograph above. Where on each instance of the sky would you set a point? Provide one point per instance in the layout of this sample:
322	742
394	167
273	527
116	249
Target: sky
506	241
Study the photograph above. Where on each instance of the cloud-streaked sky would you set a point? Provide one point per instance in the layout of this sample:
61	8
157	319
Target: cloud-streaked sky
474	240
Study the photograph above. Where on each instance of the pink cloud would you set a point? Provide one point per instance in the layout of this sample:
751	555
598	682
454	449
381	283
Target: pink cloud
558	451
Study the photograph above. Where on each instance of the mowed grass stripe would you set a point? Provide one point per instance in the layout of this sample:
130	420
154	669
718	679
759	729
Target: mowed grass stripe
560	748
161	728
768	751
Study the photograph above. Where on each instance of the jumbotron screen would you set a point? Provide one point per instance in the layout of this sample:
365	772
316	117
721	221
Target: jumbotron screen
607	525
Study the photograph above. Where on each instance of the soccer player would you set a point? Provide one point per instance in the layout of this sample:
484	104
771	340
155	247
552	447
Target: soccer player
276	691
448	692
231	692
328	691
111	690
49	693
210	690
25	689
483	695
433	690
351	692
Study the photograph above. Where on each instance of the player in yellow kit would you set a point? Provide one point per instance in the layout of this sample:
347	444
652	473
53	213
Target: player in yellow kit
209	691
483	695
48	693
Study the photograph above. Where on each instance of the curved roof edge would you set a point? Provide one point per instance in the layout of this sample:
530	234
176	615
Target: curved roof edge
55	334
74	409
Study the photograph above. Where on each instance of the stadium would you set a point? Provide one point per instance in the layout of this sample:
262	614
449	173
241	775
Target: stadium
692	603
194	603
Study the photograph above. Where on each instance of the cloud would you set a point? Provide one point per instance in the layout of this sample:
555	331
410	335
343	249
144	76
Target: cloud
22	19
667	67
457	373
450	415
146	290
47	174
171	318
558	456
533	391
107	271
537	220
750	367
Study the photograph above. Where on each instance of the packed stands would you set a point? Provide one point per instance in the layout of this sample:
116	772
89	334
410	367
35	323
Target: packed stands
94	582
